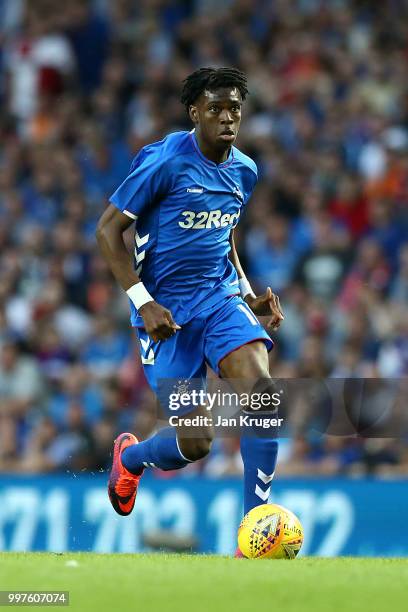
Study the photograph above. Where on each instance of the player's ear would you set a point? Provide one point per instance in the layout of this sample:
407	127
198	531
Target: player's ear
193	114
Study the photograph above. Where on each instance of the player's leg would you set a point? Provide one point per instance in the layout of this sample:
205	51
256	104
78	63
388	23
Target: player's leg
259	447
173	367
179	357
171	448
236	347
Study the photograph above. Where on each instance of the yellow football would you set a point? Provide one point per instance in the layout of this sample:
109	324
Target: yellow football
270	532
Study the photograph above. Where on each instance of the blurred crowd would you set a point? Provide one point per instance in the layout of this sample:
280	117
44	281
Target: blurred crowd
83	86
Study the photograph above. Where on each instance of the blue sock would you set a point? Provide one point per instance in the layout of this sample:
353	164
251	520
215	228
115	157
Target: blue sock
259	455
161	450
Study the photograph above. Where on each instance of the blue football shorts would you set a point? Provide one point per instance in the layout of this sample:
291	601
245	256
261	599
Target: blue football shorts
207	338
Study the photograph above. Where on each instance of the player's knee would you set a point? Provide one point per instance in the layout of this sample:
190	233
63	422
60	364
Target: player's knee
266	395
261	375
263	384
196	448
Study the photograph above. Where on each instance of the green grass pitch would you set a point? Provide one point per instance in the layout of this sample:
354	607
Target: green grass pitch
163	582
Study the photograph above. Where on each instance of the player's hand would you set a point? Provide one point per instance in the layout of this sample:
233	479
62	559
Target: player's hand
266	304
158	321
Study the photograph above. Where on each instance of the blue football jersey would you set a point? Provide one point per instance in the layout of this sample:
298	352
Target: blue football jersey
185	207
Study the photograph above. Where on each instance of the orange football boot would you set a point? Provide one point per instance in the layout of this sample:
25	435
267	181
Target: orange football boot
122	485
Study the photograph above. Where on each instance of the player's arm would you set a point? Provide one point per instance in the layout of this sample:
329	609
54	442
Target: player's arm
261	305
158	321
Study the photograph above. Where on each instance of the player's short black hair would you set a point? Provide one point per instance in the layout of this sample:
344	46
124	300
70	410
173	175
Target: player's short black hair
212	78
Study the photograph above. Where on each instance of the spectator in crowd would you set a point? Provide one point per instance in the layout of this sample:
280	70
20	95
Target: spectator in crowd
21	385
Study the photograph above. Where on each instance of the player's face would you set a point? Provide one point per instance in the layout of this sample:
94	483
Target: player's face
217	116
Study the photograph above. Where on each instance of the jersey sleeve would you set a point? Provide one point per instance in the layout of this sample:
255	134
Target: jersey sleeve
147	181
250	184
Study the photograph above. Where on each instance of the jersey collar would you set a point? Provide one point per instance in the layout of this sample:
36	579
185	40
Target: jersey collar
207	161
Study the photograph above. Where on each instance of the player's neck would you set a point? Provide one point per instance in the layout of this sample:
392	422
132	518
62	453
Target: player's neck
215	155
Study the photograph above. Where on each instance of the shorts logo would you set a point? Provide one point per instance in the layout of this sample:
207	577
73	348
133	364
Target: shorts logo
182	386
208	219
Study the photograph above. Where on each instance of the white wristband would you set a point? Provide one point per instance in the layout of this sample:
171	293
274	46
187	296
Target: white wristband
139	295
244	287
